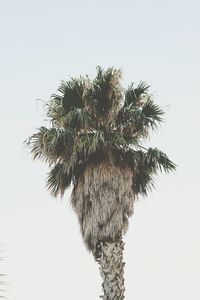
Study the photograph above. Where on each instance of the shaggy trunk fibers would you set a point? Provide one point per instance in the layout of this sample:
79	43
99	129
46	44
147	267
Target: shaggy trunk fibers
112	270
103	201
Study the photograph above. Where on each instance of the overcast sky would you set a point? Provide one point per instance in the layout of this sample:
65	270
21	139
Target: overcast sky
45	41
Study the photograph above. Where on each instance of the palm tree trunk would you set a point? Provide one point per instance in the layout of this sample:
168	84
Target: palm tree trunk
111	268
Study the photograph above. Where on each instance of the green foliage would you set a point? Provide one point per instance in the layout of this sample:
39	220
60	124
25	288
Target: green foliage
59	179
51	144
97	120
133	95
148	164
106	92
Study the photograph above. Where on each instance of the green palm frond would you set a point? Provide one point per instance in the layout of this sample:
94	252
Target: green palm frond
157	160
72	93
152	112
133	123
85	146
106	92
133	95
79	119
72	96
144	182
59	179
146	166
120	140
51	144
136	122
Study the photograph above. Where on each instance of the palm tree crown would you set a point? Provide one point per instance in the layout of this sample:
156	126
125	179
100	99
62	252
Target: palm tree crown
94	143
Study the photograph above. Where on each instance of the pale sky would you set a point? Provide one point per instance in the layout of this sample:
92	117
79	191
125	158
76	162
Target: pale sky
43	42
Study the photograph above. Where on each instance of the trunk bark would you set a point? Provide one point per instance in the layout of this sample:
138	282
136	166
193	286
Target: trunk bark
111	263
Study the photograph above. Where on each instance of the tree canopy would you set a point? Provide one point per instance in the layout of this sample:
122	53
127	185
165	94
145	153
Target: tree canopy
97	120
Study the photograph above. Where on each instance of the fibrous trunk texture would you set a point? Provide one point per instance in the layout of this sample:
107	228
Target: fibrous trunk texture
103	201
112	269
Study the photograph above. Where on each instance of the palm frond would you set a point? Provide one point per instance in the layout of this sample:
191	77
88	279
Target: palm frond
58	179
55	111
133	95
51	144
72	96
152	112
120	140
79	119
106	92
72	93
143	182
136	122
157	160
85	145
146	166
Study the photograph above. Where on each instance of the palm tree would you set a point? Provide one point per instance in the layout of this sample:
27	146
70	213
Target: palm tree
94	144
